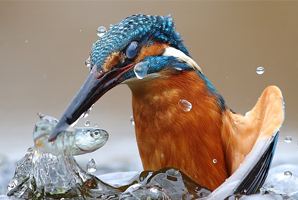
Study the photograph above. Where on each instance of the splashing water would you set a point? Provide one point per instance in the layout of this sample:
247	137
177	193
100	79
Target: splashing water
185	105
260	70
101	31
49	170
141	69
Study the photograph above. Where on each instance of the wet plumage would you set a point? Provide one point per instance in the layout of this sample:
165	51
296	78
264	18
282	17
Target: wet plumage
207	141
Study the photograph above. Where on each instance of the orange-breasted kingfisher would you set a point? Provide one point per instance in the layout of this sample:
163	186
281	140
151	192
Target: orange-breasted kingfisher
180	119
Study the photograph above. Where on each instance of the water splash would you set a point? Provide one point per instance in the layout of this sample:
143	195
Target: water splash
141	69
185	105
101	31
288	139
260	70
91	166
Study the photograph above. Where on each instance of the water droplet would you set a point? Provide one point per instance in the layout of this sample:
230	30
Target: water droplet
214	161
91	166
26	41
101	31
162	155
178	68
87	123
288	139
235	122
95	125
227	76
80	30
87	112
260	70
87	62
121	26
132	121
141	69
111	26
288	174
245	190
185	105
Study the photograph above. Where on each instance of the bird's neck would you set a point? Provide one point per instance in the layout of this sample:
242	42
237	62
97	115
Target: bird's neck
170	132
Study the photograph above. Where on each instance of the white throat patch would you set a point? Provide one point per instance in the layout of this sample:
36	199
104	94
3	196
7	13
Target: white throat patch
170	51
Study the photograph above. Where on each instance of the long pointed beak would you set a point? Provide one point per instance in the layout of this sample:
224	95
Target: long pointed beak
96	85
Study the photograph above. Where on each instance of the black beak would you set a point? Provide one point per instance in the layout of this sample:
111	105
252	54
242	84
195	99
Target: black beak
96	85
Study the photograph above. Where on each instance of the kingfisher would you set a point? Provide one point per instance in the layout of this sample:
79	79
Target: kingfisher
181	120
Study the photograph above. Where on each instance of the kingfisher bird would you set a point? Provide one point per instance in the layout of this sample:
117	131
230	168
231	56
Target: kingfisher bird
180	119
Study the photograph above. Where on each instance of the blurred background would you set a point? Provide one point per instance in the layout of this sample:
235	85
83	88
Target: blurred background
43	47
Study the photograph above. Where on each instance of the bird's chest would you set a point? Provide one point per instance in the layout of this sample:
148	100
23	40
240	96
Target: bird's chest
165	123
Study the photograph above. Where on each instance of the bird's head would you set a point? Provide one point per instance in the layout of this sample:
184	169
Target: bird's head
138	48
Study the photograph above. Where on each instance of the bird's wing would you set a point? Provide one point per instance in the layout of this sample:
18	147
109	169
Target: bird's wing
263	122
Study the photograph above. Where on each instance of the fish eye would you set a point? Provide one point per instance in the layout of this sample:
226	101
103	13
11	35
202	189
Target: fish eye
132	50
95	133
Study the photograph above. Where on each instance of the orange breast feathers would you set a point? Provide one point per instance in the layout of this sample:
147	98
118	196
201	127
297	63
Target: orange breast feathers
169	135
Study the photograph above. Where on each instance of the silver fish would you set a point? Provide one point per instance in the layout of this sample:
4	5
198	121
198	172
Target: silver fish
83	139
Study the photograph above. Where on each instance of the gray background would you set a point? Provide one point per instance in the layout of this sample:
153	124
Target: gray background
43	46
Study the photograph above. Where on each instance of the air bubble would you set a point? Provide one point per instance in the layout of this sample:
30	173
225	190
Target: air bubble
101	31
91	166
260	70
132	121
288	139
141	69
185	105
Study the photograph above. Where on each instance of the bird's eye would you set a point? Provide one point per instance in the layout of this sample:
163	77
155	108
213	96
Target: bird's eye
132	50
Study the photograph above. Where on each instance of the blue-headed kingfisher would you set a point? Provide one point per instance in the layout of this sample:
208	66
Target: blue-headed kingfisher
180	119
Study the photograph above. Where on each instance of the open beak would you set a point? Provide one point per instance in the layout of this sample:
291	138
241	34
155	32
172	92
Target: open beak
96	85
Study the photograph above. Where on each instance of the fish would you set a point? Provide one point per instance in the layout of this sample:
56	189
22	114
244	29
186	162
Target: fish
83	139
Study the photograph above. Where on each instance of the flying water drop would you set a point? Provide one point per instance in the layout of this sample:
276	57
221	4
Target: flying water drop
87	123
132	121
260	70
87	62
91	166
87	112
214	161
288	174
141	69
185	105
101	31
288	139
26	41
111	26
